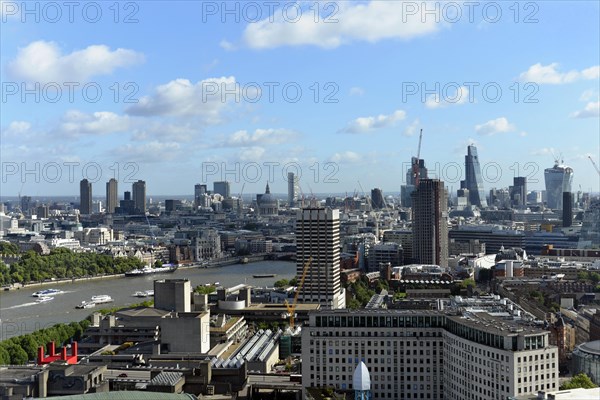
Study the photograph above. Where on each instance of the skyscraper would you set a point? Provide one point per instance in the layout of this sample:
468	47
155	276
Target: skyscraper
223	188
85	197
112	196
139	196
293	186
407	190
590	227
377	198
518	192
430	223
199	192
567	209
318	236
473	180
558	180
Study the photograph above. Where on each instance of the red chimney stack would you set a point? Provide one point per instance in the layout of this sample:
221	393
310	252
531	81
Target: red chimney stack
51	349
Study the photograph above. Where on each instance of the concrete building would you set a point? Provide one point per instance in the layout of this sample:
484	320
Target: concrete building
139	197
428	354
293	189
112	196
85	197
173	295
318	237
430	223
383	253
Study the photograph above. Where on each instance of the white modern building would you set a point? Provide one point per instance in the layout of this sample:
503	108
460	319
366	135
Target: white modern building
428	354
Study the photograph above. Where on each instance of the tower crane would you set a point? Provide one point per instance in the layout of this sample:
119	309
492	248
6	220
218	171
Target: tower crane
291	308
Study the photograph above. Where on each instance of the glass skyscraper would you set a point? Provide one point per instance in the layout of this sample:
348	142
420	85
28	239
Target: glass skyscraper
558	180
473	180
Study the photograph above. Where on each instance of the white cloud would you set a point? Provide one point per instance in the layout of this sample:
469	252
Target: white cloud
460	96
243	138
371	22
180	97
544	151
76	123
254	153
42	61
150	152
494	126
588	95
591	110
349	157
367	124
227	45
412	128
356	91
549	74
17	128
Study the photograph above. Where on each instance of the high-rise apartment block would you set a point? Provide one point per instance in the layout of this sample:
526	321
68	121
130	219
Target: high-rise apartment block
430	223
139	197
112	196
293	188
85	197
318	237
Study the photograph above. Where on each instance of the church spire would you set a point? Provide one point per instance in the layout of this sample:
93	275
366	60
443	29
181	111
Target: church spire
267	190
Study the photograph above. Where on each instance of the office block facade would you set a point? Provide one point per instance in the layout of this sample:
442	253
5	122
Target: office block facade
318	237
430	223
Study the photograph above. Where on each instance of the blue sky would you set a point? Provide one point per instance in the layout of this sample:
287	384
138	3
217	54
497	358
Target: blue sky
201	80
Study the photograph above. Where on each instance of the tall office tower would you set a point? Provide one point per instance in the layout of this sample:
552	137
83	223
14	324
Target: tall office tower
558	180
567	209
199	192
318	236
473	180
430	223
293	188
518	191
112	196
407	190
411	177
25	204
377	198
223	188
139	196
590	227
85	197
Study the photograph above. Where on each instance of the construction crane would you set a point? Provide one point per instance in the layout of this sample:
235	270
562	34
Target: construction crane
594	164
291	309
415	166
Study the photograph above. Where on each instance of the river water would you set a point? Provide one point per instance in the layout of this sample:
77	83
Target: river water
20	314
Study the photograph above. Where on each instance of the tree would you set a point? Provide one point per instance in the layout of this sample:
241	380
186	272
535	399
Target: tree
578	381
294	281
205	289
282	283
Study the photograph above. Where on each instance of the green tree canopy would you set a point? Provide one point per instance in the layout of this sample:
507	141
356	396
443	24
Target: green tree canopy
578	381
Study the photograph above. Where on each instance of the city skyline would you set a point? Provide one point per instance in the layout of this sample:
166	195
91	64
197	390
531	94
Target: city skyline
367	88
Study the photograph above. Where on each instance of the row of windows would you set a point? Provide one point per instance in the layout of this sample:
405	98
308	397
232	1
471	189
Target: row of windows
337	321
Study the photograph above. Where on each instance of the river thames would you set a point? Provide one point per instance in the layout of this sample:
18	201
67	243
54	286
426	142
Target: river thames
20	314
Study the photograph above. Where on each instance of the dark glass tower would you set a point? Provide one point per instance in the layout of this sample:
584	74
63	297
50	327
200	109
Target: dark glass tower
473	180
